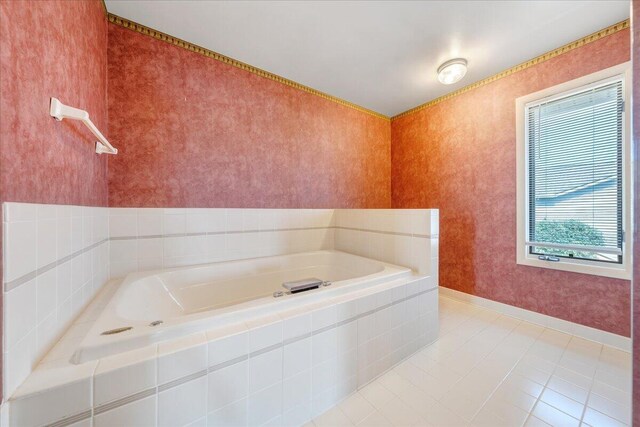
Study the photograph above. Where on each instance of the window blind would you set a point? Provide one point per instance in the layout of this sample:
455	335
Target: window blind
575	174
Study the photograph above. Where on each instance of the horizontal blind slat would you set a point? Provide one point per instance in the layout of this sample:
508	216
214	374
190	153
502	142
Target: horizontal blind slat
575	170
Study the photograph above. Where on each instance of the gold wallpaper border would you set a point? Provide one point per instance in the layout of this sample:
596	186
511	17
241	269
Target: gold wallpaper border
158	35
537	60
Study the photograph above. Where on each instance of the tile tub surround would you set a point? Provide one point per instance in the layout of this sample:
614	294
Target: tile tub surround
148	238
56	257
55	260
407	237
284	369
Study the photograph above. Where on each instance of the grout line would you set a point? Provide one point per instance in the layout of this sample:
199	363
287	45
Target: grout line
586	403
593	380
471	318
72	419
246	357
271	230
217	233
546	384
267	349
15	283
512	370
521	321
105	407
179	381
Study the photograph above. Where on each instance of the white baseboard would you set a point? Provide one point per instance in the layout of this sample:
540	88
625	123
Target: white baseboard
586	332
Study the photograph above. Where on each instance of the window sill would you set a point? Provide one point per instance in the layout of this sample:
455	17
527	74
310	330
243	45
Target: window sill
615	271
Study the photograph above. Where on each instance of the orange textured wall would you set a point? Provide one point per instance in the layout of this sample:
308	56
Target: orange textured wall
460	156
195	132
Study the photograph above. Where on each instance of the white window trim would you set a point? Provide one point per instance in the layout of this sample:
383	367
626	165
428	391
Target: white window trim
618	271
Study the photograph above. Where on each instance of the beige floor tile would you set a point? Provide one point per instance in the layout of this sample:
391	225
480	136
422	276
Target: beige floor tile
513	415
553	416
400	414
533	421
491	370
376	394
441	416
562	402
486	418
375	419
609	408
465	406
568	389
516	397
356	408
334	417
621	397
595	418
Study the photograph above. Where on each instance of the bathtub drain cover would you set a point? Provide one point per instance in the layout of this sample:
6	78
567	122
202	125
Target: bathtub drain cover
117	330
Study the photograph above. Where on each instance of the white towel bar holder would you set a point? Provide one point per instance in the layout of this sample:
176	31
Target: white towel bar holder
61	111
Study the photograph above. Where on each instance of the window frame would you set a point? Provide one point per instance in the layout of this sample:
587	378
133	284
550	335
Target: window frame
592	267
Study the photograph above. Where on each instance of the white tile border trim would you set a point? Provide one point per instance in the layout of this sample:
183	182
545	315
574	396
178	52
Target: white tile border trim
586	332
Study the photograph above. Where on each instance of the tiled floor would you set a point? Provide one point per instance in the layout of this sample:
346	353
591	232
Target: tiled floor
487	369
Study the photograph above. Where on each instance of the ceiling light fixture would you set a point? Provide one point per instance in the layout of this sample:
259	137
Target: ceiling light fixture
452	71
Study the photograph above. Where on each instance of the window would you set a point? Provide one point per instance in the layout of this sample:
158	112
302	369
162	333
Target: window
573	187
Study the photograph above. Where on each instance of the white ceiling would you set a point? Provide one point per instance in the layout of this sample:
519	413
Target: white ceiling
382	55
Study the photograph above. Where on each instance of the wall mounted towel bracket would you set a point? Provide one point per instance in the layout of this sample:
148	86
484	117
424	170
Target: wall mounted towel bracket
61	111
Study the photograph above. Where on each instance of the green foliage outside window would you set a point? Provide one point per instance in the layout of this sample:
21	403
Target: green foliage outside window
568	231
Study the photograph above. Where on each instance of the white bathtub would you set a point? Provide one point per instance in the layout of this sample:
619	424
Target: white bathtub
200	298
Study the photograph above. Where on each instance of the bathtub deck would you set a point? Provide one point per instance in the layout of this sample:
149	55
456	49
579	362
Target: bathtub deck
487	369
337	342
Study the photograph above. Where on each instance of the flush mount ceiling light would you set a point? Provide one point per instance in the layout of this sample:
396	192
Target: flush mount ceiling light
452	71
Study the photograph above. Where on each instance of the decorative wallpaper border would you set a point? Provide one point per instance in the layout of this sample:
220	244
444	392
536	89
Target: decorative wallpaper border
123	22
537	60
158	35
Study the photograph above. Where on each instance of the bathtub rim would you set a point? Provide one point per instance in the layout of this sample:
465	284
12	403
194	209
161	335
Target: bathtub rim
60	373
203	321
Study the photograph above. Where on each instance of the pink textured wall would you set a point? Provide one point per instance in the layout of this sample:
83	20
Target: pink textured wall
635	25
51	48
195	132
459	156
